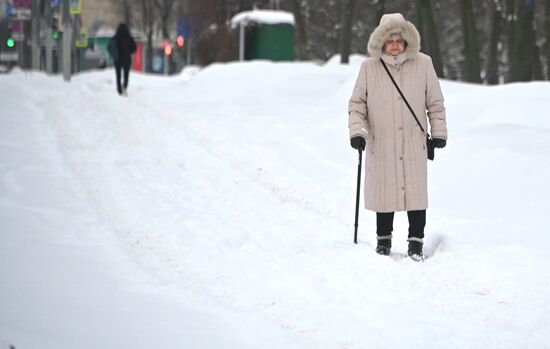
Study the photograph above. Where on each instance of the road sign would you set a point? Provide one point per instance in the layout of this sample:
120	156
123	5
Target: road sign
23	13
82	39
17	36
17	30
9	10
9	56
16	26
76	7
183	27
22	3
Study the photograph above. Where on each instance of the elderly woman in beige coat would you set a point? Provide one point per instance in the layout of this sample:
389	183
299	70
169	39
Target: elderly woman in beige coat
396	155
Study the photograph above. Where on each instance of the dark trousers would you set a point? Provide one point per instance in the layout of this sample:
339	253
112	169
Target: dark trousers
126	72
417	222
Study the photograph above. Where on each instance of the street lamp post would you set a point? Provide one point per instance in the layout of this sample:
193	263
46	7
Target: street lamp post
67	41
35	33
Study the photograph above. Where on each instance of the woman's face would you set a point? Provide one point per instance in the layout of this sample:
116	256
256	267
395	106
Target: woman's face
394	45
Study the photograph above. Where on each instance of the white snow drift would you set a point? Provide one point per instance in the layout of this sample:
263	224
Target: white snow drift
215	209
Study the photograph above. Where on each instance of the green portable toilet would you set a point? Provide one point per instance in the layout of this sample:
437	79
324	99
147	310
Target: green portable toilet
265	34
100	43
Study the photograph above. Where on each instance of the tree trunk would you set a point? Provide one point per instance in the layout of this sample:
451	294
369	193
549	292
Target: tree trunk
537	65
148	21
381	9
547	29
127	11
492	77
471	48
301	35
511	16
524	45
164	8
428	33
345	30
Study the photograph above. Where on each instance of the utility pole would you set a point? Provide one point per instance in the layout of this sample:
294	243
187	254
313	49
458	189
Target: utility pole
166	63
35	33
75	52
67	41
48	36
241	41
188	58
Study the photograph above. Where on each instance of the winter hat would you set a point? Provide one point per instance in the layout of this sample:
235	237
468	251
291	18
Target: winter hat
393	23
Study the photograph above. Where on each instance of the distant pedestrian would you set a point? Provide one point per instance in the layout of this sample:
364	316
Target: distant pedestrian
396	143
121	47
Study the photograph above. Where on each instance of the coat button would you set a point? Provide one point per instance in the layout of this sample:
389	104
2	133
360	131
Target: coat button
403	188
400	128
401	158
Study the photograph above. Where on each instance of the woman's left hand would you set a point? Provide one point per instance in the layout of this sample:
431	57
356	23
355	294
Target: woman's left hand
439	143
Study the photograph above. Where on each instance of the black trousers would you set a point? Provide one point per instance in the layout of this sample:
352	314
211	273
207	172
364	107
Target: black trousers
417	222
125	69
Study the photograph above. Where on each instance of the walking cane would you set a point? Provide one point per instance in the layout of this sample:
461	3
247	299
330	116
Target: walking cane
357	197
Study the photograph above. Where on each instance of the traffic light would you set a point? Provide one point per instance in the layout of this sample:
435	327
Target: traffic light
167	47
56	33
168	50
10	41
180	41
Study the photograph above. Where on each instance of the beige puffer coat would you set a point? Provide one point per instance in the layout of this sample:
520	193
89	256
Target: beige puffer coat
396	156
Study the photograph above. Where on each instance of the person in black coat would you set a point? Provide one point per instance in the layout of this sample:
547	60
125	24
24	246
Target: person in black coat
121	47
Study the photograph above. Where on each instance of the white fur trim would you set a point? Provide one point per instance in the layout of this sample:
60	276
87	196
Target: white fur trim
389	24
416	239
384	237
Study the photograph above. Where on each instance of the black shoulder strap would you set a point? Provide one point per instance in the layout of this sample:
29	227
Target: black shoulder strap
402	96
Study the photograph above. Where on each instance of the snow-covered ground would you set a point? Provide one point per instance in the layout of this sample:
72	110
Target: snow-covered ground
215	209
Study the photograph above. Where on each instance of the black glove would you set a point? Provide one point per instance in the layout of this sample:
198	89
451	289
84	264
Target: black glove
358	143
439	143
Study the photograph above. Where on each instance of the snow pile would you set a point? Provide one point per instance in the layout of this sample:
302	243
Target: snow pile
228	195
262	17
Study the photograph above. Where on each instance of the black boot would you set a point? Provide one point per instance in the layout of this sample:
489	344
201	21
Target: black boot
415	249
384	245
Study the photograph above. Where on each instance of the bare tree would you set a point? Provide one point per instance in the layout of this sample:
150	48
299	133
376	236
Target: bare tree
488	34
471	47
537	65
380	10
127	12
510	24
492	77
301	42
164	8
547	36
213	39
522	65
345	30
429	34
148	21
323	20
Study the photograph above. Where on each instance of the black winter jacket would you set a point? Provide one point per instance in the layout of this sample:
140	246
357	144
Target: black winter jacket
122	46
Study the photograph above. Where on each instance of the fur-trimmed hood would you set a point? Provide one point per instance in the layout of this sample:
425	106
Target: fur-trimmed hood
389	24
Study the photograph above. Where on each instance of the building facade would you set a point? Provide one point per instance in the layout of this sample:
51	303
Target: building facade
101	15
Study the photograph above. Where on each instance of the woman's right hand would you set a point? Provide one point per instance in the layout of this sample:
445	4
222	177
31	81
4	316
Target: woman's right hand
358	143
